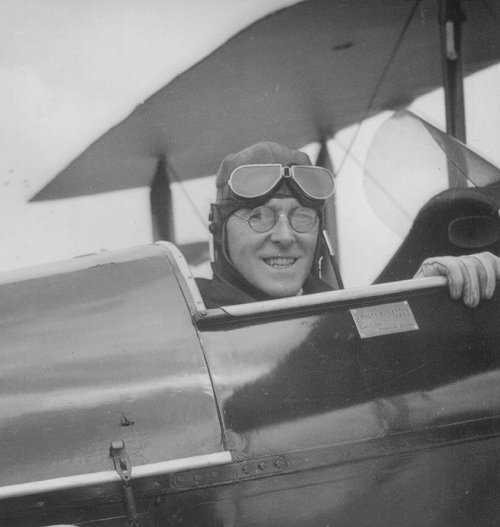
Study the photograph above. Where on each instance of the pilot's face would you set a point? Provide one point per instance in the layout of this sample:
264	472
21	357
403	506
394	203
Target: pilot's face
277	261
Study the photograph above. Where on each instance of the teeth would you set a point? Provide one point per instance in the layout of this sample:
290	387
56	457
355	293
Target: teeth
280	262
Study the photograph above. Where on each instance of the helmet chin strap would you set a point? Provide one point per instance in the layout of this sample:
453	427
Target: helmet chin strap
332	258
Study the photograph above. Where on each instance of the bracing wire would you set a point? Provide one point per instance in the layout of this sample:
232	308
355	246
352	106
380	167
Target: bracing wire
380	82
369	105
204	221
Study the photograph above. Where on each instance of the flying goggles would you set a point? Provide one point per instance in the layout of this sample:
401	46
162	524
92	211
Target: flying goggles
259	181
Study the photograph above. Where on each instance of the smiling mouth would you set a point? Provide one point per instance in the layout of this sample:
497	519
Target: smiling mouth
280	263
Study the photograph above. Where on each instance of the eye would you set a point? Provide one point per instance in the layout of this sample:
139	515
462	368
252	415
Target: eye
256	215
261	219
303	219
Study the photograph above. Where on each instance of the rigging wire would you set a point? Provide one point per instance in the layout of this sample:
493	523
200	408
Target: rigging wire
380	81
204	221
367	110
365	113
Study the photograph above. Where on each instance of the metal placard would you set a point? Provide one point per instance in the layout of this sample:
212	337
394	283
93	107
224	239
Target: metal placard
384	319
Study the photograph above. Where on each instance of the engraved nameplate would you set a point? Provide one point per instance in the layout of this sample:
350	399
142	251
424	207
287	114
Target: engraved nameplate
384	319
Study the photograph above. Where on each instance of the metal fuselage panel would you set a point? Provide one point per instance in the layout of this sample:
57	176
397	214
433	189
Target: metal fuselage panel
98	354
371	408
398	428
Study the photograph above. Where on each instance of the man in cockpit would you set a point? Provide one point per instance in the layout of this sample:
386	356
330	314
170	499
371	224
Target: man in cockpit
267	223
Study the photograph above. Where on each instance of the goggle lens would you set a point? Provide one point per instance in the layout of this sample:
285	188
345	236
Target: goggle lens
255	181
263	219
315	182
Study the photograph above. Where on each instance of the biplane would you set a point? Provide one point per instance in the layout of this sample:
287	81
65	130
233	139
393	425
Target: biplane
125	402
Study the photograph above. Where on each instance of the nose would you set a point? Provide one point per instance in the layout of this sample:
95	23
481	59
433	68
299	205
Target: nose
282	232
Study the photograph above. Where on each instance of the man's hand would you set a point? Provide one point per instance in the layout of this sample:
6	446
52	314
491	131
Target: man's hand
470	277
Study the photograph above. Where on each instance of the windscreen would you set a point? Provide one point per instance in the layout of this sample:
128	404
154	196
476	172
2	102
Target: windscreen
433	192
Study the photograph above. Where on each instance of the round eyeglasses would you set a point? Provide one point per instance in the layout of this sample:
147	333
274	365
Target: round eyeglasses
263	219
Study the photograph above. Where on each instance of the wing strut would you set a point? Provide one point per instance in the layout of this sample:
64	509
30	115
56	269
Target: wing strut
451	18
